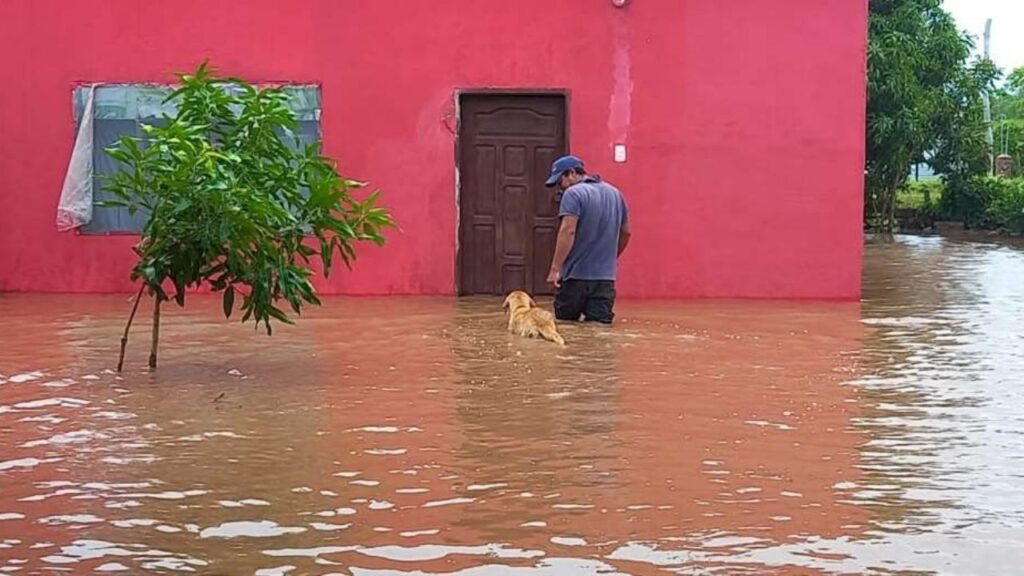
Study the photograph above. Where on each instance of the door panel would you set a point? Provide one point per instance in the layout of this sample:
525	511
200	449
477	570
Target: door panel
507	218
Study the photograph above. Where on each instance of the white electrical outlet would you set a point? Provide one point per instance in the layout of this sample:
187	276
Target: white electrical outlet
620	153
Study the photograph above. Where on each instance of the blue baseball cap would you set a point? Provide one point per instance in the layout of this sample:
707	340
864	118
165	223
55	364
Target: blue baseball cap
561	166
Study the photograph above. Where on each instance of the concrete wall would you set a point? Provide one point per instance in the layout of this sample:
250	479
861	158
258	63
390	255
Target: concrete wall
744	121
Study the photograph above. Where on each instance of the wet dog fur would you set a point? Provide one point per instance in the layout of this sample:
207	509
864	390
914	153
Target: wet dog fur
525	318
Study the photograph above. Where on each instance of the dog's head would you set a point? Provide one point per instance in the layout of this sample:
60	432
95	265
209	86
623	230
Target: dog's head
518	300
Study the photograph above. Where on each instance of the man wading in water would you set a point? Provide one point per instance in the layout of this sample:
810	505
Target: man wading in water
593	234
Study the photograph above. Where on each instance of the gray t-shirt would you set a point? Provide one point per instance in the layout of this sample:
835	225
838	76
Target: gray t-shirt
602	211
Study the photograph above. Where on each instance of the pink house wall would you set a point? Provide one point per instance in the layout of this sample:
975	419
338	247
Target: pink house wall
744	122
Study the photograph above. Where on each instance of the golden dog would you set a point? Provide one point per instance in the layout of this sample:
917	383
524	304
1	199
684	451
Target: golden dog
526	319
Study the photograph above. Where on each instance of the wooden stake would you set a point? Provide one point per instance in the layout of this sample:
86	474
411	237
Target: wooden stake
156	331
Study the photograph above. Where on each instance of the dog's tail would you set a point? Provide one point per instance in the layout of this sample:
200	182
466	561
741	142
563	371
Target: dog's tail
551	334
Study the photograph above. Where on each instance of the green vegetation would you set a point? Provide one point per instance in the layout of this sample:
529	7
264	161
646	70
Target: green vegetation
1008	116
924	101
983	202
236	203
923	196
1006	211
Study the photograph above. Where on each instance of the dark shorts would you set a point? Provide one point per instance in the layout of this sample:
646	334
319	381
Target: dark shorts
594	300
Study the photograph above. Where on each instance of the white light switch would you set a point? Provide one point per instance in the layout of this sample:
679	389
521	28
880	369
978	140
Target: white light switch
620	153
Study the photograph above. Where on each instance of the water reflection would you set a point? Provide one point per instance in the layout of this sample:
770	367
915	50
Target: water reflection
414	436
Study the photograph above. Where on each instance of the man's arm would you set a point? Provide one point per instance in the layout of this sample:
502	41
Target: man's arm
624	235
566	238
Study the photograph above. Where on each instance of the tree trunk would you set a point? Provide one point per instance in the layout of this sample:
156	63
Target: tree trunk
156	331
886	209
875	209
131	317
890	216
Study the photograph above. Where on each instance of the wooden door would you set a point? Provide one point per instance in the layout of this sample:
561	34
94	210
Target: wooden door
508	220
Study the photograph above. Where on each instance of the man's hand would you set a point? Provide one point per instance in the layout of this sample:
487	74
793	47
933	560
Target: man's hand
563	245
555	278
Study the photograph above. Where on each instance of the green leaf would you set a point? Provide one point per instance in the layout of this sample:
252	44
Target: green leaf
229	301
279	315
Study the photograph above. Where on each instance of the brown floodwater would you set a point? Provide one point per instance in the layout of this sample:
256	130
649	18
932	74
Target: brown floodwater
414	436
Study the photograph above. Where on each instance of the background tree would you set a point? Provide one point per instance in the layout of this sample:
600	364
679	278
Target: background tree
960	151
923	100
1008	116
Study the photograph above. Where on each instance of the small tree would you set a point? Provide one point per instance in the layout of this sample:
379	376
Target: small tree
233	206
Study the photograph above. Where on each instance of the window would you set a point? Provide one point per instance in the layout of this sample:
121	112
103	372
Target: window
121	110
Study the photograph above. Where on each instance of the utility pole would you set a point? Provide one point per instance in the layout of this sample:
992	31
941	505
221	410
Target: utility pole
989	138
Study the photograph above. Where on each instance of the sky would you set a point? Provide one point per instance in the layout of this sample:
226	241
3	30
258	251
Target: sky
1007	26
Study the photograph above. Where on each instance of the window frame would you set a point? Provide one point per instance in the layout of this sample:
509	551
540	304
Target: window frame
309	111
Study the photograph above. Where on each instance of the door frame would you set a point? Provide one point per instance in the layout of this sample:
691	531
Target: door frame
566	95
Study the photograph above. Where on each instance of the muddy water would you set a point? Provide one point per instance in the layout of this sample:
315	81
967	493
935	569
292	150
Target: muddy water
413	436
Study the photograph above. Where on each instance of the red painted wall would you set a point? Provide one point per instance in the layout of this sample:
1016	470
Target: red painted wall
744	121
